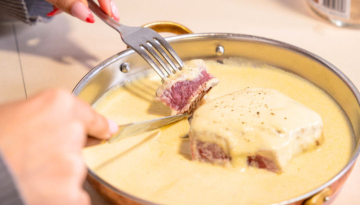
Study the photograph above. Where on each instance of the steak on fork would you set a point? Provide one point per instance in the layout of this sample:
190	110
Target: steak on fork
183	91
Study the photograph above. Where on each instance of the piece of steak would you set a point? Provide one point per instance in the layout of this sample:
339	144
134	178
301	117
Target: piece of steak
183	91
255	127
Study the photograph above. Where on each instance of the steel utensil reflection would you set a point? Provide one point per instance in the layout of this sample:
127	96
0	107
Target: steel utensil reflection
137	128
146	42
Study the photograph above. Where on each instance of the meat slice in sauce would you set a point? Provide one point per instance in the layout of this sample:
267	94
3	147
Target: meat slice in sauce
183	91
255	127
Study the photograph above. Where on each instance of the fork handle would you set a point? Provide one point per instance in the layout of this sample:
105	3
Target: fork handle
106	18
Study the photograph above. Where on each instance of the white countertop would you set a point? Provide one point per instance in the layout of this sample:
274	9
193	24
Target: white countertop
61	52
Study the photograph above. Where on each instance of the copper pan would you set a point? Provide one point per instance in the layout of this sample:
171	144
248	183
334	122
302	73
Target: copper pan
120	67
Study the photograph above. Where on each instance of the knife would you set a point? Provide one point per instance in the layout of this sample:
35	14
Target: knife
137	128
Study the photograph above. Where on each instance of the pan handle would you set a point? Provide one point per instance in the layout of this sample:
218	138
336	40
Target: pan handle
168	26
319	198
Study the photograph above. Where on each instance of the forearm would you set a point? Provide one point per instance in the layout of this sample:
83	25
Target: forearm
9	193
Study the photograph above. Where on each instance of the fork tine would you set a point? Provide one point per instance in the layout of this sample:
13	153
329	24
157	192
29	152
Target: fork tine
167	46
141	51
150	49
135	36
164	54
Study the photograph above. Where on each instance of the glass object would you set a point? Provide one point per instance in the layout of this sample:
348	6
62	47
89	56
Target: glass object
343	13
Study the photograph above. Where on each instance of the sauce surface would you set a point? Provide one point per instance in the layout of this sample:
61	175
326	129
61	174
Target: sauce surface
253	122
157	166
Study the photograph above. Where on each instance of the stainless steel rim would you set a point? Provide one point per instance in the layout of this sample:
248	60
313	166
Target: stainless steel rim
231	36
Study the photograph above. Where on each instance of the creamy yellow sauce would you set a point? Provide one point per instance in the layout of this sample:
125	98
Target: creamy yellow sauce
157	166
255	121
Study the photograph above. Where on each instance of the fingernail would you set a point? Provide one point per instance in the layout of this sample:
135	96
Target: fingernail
80	11
54	12
114	10
113	126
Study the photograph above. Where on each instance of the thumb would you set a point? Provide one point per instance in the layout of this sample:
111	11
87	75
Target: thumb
80	10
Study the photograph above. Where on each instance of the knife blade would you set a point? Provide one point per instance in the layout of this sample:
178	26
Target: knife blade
137	128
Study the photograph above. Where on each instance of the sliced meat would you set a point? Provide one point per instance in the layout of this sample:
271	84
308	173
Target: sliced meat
208	152
255	127
262	162
183	91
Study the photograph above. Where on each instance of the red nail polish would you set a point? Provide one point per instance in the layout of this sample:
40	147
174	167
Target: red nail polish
90	20
52	13
82	12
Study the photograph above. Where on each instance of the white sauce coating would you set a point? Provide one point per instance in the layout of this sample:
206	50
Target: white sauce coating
257	121
190	71
157	166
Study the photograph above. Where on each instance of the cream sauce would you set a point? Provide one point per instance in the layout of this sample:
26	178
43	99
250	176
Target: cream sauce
191	70
257	121
157	166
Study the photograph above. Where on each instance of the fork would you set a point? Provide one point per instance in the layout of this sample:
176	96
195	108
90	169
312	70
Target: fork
146	42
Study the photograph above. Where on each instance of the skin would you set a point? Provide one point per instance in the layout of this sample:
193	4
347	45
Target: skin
66	5
41	140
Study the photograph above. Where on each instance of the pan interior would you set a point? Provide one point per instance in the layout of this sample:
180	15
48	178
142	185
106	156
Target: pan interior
283	56
157	166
